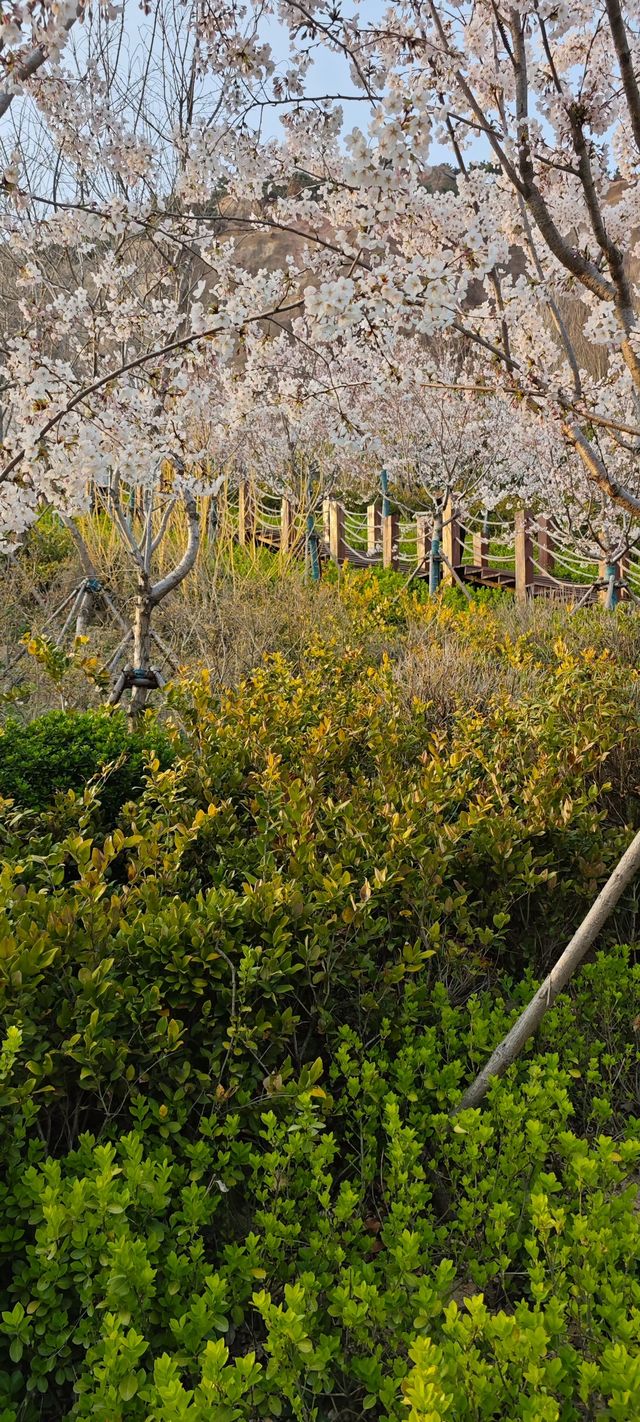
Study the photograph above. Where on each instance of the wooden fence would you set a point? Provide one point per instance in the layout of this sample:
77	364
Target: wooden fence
526	554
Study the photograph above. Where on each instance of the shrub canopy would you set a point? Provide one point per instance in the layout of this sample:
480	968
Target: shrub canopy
238	1011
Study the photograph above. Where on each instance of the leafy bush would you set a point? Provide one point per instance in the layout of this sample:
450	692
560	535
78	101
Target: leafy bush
48	547
61	751
235	1026
292	1257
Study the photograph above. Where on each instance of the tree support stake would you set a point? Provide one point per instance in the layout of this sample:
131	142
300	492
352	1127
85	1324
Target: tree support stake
529	1020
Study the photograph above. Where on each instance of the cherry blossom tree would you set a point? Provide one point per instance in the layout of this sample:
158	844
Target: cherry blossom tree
198	241
109	366
531	261
32	32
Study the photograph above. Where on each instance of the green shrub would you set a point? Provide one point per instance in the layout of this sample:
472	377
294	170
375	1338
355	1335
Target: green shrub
290	1255
236	1022
48	547
62	750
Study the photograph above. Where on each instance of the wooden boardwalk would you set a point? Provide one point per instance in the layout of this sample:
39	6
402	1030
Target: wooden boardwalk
526	555
539	585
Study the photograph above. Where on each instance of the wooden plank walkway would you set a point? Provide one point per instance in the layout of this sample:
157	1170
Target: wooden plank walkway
539	585
524	556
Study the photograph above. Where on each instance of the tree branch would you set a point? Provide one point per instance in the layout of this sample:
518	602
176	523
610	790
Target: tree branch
30	66
135	364
166	585
627	73
597	471
572	260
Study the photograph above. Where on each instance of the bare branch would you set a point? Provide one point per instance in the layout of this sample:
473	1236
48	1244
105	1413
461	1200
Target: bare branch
166	585
164	523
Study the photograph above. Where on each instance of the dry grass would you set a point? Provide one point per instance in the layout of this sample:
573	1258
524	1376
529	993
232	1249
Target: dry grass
234	609
452	676
238	606
233	620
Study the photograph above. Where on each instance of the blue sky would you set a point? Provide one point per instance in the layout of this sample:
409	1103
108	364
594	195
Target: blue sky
329	73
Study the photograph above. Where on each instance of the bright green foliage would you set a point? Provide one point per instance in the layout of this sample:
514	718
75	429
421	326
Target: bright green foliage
234	1027
60	752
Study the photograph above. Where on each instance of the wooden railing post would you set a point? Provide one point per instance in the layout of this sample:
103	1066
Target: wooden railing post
451	542
480	550
286	526
546	555
326	505
524	554
390	535
245	514
423	541
374	527
337	547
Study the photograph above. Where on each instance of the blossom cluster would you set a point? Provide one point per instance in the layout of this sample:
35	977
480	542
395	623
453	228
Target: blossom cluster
188	281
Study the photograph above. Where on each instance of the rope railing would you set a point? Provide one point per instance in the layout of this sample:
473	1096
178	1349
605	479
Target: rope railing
479	523
526	553
546	572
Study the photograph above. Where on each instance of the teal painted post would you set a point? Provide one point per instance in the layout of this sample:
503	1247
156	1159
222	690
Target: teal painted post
312	545
435	561
609	595
613	593
386	501
312	540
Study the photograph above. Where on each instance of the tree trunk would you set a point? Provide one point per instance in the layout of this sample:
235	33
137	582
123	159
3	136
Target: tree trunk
85	611
141	642
435	563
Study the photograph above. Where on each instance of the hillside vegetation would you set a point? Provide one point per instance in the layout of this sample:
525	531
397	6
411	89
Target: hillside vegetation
239	1008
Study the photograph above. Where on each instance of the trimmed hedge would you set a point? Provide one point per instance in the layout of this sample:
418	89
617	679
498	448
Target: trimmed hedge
62	750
